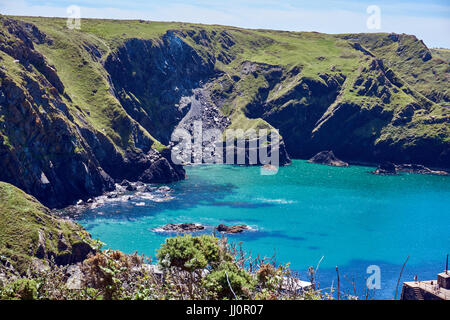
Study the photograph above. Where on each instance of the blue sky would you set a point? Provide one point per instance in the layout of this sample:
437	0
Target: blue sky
428	20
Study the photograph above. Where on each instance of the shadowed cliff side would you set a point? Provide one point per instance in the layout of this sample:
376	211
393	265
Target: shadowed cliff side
48	146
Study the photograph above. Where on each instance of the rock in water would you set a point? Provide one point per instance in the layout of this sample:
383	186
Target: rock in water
328	158
233	229
182	227
386	168
420	169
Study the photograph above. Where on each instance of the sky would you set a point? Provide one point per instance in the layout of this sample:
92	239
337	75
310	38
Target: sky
428	20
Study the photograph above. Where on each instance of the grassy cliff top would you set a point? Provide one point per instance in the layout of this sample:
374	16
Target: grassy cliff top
25	225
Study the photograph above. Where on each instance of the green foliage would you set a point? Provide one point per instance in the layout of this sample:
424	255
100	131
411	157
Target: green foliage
227	281
190	253
25	224
21	289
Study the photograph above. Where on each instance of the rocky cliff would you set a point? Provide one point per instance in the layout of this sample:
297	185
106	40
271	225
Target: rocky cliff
82	109
48	147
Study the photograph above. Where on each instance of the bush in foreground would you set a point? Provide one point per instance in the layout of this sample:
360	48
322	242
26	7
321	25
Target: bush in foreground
203	267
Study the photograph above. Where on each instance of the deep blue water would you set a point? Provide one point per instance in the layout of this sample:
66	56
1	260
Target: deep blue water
350	217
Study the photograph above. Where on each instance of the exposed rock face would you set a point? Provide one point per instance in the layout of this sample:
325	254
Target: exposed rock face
42	158
417	168
53	156
66	252
314	115
328	158
164	71
162	169
172	75
182	227
232	229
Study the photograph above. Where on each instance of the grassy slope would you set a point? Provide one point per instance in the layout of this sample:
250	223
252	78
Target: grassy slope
442	53
22	217
287	49
85	80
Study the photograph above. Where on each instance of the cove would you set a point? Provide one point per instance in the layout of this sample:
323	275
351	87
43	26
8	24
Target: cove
306	211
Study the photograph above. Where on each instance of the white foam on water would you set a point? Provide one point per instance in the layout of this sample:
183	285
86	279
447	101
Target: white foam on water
278	201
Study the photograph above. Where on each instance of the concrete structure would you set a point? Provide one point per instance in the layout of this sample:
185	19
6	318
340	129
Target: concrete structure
428	290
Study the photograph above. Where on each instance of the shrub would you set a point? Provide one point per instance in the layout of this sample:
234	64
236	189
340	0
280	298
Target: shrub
229	282
191	253
21	289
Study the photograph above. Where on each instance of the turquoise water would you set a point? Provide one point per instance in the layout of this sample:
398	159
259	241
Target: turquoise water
347	215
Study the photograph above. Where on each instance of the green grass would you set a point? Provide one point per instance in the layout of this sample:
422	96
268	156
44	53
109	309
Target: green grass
405	57
22	217
441	53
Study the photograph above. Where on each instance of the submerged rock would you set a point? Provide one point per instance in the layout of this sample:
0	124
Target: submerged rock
164	189
386	168
233	229
420	169
182	227
327	158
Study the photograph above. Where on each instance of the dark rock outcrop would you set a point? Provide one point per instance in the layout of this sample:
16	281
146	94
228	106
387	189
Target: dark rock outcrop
182	227
328	158
386	168
232	229
162	169
419	169
164	72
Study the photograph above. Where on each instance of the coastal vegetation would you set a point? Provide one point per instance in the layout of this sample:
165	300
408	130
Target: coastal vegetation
45	257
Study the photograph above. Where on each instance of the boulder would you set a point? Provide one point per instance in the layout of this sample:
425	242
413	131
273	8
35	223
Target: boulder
233	229
327	158
183	227
164	189
386	168
420	169
128	185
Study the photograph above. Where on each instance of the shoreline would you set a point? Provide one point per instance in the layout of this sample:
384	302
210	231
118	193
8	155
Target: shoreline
140	193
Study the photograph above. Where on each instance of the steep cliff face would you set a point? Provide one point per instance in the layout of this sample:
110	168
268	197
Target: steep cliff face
151	76
425	71
45	154
167	83
378	117
370	115
48	147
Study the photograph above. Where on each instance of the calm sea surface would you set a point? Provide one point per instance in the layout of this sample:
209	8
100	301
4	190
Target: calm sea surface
305	212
